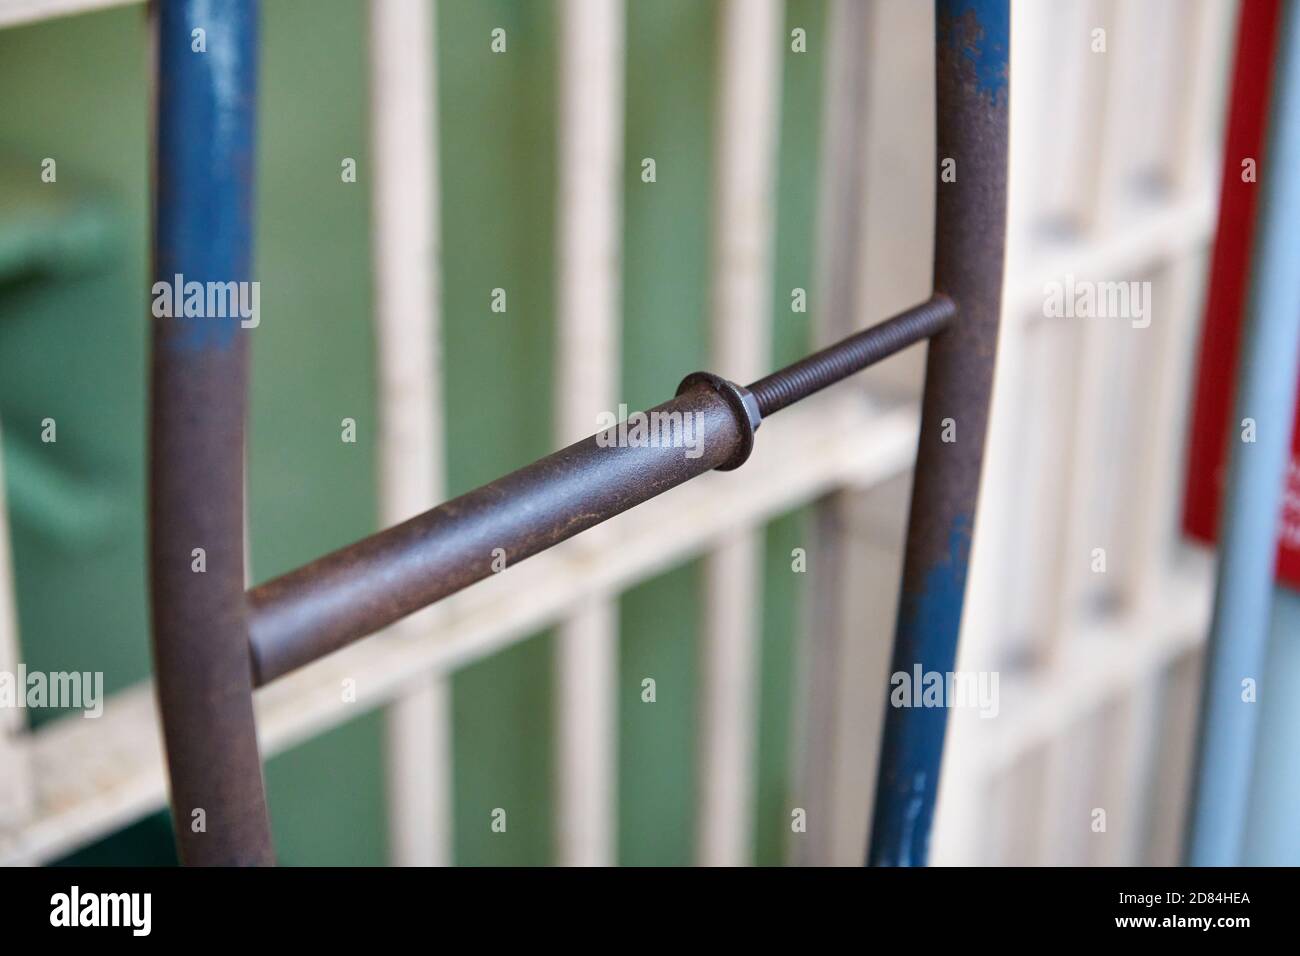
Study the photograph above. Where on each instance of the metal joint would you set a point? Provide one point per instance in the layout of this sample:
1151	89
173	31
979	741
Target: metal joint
742	403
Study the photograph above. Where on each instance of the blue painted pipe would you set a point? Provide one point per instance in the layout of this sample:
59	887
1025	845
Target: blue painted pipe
204	161
972	43
1266	394
203	209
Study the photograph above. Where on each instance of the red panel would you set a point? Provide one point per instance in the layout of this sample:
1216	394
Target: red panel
1229	278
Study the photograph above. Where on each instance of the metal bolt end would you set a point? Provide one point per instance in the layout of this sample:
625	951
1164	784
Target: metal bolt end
743	405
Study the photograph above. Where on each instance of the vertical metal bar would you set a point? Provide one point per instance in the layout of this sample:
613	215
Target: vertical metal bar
971	78
404	189
1015	513
1266	394
203	209
744	185
589	240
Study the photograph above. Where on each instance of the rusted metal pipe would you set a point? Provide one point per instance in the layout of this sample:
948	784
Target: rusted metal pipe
355	591
362	588
972	43
203	233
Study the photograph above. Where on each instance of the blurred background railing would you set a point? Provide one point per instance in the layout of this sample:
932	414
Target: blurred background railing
789	199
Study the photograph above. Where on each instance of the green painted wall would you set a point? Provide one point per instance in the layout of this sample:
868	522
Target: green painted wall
72	347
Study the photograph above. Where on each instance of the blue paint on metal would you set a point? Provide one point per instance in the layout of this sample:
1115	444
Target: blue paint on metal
1266	392
981	31
207	52
929	622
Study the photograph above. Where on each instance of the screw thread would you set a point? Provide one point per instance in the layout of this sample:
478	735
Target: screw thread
794	382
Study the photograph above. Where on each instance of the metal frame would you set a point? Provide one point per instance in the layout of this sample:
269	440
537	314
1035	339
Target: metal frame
212	645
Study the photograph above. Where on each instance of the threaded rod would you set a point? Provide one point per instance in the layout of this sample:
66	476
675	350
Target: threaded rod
794	382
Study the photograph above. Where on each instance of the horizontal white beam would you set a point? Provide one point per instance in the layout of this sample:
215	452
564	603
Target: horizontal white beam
17	12
1162	235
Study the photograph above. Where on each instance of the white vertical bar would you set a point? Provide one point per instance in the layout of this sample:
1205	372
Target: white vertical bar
1094	346
406	263
1195	155
1067	178
744	186
587	722
17	788
589	250
1169	343
418	767
839	253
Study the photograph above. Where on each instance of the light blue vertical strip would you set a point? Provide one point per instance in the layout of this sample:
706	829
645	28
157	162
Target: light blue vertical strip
1266	394
1273	813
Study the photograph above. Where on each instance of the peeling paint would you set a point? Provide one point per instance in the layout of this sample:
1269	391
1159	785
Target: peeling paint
981	31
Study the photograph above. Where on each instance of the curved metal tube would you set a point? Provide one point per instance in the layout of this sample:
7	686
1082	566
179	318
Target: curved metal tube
203	233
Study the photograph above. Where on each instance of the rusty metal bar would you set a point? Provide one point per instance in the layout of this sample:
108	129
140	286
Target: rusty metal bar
345	595
355	591
971	77
203	234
